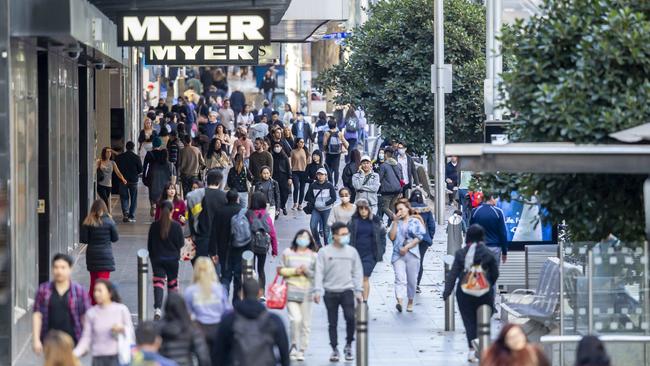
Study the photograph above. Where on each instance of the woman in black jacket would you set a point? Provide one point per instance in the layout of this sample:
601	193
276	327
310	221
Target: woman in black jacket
181	338
164	244
317	162
422	209
463	261
282	175
98	231
368	236
239	178
350	169
157	173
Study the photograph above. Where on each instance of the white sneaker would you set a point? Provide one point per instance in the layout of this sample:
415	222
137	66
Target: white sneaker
471	356
157	314
300	356
293	353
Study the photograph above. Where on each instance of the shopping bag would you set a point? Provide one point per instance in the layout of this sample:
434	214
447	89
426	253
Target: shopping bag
188	251
474	282
277	294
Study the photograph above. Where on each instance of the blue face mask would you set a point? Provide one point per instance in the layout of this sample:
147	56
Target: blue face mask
302	242
344	240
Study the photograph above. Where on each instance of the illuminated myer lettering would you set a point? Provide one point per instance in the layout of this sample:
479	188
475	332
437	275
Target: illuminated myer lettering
202	55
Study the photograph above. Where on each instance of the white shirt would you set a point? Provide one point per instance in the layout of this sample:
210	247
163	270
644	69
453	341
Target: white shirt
245	120
286	118
404	163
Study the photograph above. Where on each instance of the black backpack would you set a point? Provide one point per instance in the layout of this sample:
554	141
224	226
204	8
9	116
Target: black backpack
253	341
260	237
352	124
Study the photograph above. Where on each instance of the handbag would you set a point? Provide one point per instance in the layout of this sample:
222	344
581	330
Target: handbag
188	251
309	207
474	282
277	294
125	342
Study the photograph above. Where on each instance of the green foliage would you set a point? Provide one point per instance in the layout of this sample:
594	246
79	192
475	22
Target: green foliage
582	71
389	66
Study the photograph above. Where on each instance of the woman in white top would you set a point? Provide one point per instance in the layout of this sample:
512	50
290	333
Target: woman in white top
343	211
245	118
288	115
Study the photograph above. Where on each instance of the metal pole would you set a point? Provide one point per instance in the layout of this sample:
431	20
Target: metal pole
497	62
561	248
143	271
439	128
646	293
450	313
590	292
483	315
362	334
489	59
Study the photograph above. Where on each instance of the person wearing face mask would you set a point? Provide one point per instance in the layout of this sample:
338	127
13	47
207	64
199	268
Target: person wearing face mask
282	175
409	174
298	267
511	348
269	187
368	237
301	129
320	197
366	182
343	211
380	160
339	280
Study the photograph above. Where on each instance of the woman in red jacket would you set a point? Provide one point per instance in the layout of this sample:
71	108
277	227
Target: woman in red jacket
179	208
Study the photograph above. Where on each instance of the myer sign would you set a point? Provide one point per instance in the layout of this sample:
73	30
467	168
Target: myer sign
196	38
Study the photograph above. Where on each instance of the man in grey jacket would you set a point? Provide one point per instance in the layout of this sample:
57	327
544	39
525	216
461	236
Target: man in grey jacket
366	183
390	177
339	275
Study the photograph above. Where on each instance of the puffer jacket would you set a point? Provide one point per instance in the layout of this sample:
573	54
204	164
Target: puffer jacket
181	341
380	234
429	222
99	253
390	174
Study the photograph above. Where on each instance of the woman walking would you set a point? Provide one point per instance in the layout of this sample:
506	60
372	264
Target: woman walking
103	323
157	173
343	211
511	348
105	169
349	170
287	117
299	161
217	158
221	135
406	232
269	188
98	231
164	243
321	127
368	236
182	340
474	253
207	301
260	219
245	117
179	208
288	136
282	175
58	349
145	138
298	266
422	209
334	144
239	179
316	163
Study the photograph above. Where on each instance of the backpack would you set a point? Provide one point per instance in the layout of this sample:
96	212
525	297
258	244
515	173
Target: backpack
240	230
334	144
352	125
253	341
260	238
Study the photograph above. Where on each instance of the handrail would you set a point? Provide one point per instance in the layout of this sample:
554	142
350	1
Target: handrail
615	338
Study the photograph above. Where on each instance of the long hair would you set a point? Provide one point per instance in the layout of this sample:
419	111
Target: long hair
165	220
591	352
312	242
58	349
105	151
350	113
356	157
163	196
500	355
212	148
176	311
204	275
110	287
239	163
97	211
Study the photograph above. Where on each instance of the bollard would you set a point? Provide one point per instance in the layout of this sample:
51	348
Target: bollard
143	271
362	334
483	315
450	313
247	265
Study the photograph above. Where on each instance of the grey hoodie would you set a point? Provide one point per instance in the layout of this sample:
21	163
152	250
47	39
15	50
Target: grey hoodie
338	269
390	174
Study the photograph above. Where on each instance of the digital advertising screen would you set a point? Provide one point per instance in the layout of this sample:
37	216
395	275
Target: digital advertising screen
523	220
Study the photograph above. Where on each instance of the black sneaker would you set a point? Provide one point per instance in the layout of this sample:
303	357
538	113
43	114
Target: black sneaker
335	356
125	219
347	351
417	290
284	211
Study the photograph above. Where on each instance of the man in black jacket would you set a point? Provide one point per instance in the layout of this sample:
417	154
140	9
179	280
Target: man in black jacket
264	333
131	167
213	199
228	256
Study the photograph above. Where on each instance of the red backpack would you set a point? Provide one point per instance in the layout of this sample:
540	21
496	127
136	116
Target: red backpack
475	198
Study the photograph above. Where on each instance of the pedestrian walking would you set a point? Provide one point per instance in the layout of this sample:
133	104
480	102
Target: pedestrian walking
245	118
334	144
316	163
145	138
99	232
591	352
157	173
182	340
148	342
298	268
242	141
105	169
320	198
213	199
277	136
251	335
59	304
260	158
343	211
260	222
130	165
190	163
287	117
266	109
103	324
179	208
511	348
173	148
164	243
350	124
366	183
301	129
299	160
320	129
206	299
282	175
349	170
390	178
421	208
339	280
58	350
287	135
239	178
406	233
269	187
409	172
268	86
222	239
218	159
222	135
492	220
368	237
474	254
227	116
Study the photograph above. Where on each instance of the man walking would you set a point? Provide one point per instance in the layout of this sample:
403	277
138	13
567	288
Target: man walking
301	129
228	252
390	176
213	199
321	195
190	162
227	116
130	165
339	275
492	220
366	183
409	174
258	159
59	304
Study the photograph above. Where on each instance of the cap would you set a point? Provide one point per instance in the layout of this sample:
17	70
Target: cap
365	158
321	171
157	142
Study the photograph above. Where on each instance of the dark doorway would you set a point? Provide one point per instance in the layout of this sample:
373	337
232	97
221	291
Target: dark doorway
43	168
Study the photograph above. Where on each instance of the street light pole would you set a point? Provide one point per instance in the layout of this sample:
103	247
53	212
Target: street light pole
439	127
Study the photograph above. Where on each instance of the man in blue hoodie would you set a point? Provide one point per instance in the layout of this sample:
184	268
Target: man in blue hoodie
492	220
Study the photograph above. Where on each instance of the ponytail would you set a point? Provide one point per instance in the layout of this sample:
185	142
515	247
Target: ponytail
165	219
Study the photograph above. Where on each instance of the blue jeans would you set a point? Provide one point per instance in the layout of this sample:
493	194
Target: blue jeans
268	95
319	222
352	145
129	192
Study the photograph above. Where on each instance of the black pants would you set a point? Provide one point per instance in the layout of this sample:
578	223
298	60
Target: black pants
186	182
299	183
333	161
163	270
333	300
283	184
468	305
105	194
423	250
352	144
261	260
232	271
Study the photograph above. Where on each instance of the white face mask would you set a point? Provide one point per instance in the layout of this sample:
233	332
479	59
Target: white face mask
381	156
402	152
345	199
277	149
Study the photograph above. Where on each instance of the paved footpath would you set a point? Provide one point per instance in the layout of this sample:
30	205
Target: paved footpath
416	338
